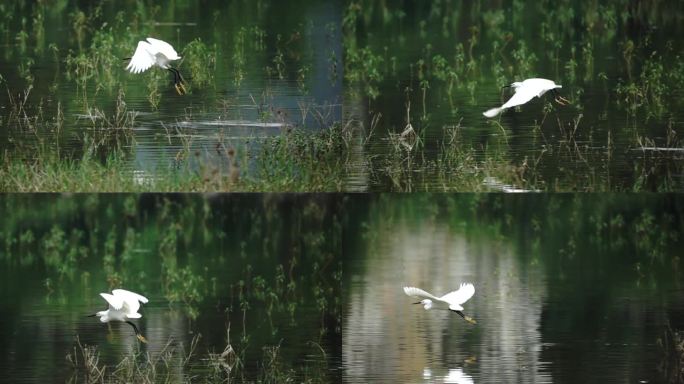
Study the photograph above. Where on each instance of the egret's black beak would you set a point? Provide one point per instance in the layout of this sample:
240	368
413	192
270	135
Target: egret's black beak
506	86
93	315
418	303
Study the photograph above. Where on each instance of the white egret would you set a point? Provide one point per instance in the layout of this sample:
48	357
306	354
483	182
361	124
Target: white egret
160	53
526	91
123	305
450	302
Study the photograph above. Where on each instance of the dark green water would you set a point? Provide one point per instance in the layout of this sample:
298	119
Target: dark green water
619	63
253	74
266	266
568	288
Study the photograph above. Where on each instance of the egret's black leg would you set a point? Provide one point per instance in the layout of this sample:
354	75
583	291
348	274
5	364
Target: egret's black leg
180	77
560	99
175	77
466	318
178	81
137	332
181	81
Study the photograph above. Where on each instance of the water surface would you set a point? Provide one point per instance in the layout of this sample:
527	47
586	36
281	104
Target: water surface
259	273
568	288
438	65
251	74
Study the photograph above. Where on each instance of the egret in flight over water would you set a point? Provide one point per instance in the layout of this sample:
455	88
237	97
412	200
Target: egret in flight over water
123	305
160	53
450	302
526	91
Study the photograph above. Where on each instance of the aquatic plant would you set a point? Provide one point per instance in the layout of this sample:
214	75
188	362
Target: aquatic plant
671	345
201	60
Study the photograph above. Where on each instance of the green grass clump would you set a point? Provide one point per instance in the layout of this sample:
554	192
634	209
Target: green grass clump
294	161
201	60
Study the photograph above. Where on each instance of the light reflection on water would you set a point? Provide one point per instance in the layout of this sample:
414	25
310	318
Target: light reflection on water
551	304
390	339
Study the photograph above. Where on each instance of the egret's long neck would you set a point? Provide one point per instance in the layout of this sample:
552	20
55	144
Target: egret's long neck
427	304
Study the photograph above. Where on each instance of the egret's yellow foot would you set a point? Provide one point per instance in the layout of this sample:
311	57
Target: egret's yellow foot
562	100
470	320
142	338
180	88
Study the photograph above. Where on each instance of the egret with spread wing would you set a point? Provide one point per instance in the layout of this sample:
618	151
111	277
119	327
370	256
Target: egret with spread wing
450	302
123	305
526	91
160	53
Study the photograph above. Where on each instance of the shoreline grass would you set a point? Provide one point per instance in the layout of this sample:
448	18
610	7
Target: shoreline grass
629	142
294	161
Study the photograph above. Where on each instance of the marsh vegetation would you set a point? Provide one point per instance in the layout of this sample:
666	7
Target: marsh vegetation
242	288
262	110
619	63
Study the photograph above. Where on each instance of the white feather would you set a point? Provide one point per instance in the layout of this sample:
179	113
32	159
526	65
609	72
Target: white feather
451	301
524	92
151	52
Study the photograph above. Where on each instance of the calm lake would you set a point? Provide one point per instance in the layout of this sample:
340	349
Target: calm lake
260	273
568	289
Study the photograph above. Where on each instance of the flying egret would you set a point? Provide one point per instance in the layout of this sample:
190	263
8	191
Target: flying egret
450	302
526	91
123	305
161	53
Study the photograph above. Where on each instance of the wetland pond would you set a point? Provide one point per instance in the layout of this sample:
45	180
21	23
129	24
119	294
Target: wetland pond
258	273
253	76
568	289
438	65
319	100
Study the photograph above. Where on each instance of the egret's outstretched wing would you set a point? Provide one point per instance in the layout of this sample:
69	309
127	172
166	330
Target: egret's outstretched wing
492	112
163	47
521	96
116	302
131	300
142	59
419	293
461	295
134	295
540	86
